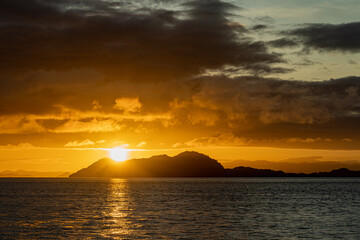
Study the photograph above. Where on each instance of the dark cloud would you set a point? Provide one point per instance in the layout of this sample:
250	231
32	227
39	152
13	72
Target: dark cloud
266	110
283	42
338	133
125	41
306	62
258	111
41	92
273	100
57	57
328	37
265	19
256	100
259	27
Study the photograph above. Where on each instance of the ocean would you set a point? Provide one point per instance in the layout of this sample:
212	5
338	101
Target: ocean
180	208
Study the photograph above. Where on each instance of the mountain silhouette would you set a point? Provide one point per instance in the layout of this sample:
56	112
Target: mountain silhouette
295	165
342	172
187	164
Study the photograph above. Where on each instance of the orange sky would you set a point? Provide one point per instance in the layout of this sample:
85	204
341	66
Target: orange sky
228	79
73	159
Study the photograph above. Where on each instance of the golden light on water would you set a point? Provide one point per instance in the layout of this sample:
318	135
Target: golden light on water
118	154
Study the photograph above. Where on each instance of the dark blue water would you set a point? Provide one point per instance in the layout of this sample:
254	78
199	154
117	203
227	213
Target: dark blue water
211	208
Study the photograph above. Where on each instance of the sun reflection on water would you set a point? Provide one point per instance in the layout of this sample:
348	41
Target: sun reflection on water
118	210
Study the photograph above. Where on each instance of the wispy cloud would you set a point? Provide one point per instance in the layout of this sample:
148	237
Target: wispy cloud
76	143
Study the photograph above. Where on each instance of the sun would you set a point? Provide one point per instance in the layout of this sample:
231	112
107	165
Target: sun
118	154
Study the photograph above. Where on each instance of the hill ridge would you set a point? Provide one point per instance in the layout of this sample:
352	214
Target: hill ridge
188	164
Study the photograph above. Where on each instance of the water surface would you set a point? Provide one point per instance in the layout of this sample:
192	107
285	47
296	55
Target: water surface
180	208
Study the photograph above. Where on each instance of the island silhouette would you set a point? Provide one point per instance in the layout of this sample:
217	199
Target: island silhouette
187	164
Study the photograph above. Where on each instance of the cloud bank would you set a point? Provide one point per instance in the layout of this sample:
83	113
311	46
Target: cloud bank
185	69
323	37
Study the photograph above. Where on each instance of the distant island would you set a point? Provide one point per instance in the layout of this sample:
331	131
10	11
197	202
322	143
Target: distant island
187	164
32	174
295	165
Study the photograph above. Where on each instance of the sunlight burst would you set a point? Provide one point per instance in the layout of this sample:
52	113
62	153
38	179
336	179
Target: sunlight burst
118	154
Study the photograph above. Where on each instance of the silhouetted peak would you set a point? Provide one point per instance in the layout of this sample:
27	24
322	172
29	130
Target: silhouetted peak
104	161
187	164
341	170
161	156
192	154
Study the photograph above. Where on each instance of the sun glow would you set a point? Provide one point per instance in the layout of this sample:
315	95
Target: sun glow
118	154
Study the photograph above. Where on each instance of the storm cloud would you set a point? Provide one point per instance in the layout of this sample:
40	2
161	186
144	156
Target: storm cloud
126	41
255	110
183	68
324	37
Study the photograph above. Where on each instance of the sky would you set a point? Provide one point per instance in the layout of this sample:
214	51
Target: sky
252	80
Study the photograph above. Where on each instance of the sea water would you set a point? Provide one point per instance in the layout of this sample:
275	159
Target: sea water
180	208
